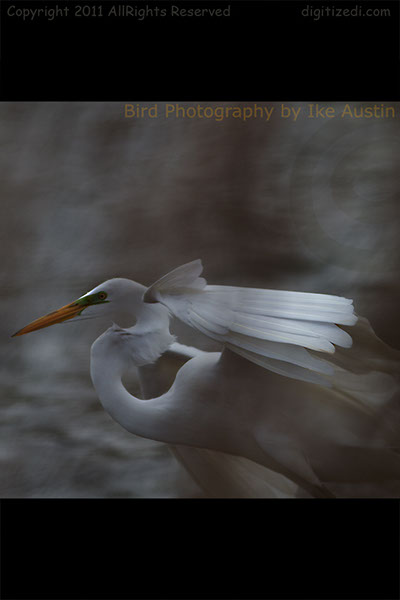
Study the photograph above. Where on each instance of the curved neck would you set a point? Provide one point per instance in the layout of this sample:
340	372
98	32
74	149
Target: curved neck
146	418
116	351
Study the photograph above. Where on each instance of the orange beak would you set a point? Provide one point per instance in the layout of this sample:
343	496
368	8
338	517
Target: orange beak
62	314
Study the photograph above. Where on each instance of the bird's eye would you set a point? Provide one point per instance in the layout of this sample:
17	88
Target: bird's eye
102	295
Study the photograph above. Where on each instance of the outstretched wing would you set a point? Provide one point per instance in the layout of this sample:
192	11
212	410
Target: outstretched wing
271	328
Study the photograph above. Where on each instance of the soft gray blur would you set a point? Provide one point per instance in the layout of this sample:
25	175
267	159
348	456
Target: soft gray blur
87	195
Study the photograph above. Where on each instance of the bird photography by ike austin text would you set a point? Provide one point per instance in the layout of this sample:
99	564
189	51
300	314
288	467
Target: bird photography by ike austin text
260	111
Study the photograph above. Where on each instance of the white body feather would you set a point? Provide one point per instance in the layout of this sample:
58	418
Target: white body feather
244	430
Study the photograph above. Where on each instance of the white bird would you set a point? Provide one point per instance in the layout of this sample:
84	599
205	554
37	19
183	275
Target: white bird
312	422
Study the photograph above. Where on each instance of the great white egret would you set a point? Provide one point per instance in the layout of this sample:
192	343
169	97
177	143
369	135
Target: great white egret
311	422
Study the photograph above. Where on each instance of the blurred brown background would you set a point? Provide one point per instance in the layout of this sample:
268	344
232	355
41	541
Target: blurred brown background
87	195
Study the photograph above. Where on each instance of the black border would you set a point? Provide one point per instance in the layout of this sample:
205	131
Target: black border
265	50
163	549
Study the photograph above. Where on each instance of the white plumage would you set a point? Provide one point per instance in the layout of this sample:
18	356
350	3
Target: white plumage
320	419
271	328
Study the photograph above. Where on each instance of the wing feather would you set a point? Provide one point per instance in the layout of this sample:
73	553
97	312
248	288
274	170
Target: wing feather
272	328
185	277
282	367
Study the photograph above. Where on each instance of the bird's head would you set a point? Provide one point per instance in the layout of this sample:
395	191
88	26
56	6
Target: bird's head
118	300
